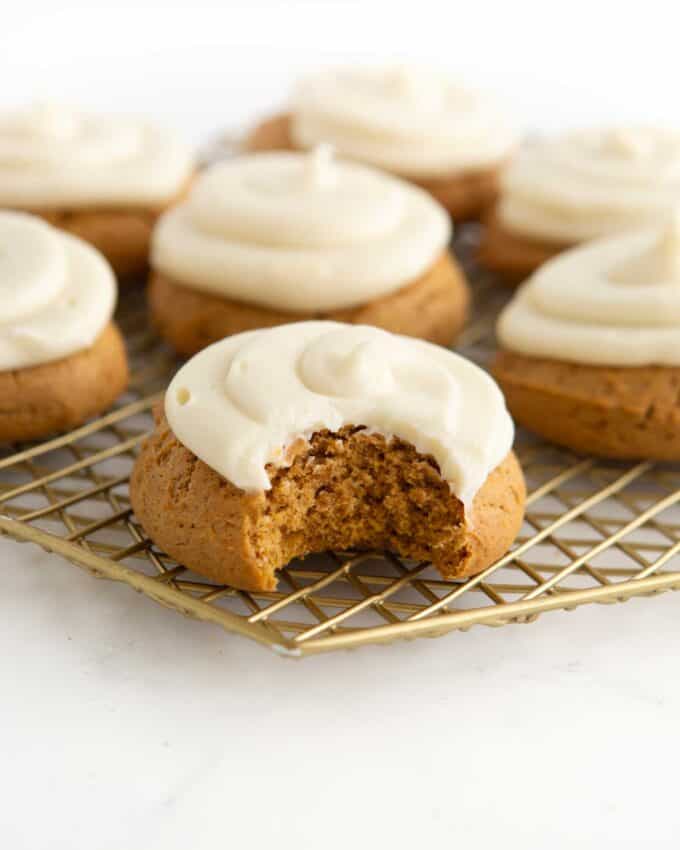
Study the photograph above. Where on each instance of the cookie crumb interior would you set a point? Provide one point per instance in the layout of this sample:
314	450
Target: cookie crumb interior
353	489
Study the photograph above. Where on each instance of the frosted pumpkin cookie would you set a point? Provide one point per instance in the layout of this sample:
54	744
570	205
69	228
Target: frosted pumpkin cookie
585	185
590	353
417	124
267	239
62	359
277	443
103	179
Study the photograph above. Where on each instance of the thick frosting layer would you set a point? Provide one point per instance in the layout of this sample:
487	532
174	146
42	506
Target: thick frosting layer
613	302
241	402
53	156
414	122
294	231
56	292
592	183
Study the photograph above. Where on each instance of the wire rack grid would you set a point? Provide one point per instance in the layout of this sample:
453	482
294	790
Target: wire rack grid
594	531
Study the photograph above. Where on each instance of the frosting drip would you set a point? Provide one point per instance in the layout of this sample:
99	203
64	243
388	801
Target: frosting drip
51	155
592	183
293	231
241	402
612	302
56	292
407	120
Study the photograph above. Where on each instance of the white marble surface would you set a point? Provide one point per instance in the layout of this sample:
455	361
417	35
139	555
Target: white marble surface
127	726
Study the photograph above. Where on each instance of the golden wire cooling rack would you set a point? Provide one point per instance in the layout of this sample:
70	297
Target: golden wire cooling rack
594	531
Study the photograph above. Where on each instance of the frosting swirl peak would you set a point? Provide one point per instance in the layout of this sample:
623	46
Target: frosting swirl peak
295	231
52	155
411	121
241	402
592	183
612	302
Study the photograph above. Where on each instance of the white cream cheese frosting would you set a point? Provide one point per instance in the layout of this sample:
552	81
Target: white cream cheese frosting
299	232
592	183
241	402
414	122
56	292
611	302
54	156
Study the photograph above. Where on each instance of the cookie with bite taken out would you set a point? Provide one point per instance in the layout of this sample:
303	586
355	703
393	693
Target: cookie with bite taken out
278	443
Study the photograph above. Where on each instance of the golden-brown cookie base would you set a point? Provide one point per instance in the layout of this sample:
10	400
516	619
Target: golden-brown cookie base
466	196
42	400
345	490
434	308
615	412
512	256
121	234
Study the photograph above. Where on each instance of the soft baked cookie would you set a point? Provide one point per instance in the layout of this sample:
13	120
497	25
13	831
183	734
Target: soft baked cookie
608	411
40	400
447	139
62	359
315	436
590	353
433	307
589	184
269	239
104	180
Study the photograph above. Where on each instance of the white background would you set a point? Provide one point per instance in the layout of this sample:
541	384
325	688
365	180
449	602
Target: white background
124	726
